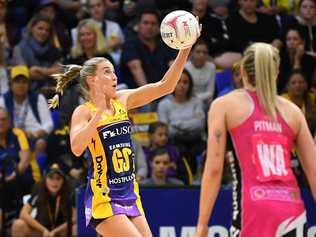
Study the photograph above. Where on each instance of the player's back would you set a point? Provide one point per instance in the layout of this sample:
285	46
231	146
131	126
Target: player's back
264	187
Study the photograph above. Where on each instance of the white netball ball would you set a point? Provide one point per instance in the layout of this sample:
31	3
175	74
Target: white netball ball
179	29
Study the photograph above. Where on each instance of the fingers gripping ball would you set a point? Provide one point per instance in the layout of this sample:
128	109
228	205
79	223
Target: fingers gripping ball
179	29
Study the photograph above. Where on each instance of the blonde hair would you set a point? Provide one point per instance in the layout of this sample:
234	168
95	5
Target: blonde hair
71	72
100	47
261	63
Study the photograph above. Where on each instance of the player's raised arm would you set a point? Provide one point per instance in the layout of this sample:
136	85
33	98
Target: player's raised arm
179	30
143	95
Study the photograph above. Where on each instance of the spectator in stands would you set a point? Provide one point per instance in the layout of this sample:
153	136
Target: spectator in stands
49	210
217	35
27	110
15	172
160	163
90	43
212	31
293	56
111	30
247	26
203	73
145	58
37	52
61	35
305	99
306	22
186	119
158	138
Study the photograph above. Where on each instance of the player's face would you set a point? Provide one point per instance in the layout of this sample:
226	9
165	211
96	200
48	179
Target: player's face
160	136
54	182
148	26
160	165
199	55
248	6
297	85
97	9
308	10
293	40
106	78
182	87
87	38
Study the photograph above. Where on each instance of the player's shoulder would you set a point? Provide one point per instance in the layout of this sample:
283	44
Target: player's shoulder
228	99
82	111
288	106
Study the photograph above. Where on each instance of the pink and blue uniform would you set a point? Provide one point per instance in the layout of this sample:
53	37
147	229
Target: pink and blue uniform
266	198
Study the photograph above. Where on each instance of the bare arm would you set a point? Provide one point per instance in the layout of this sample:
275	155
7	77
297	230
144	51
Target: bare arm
83	127
307	153
25	215
143	95
213	170
135	66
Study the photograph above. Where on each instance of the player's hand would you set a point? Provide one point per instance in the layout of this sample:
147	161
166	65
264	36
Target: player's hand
98	92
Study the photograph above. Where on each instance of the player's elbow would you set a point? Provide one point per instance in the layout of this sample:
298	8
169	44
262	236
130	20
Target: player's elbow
216	172
76	150
167	88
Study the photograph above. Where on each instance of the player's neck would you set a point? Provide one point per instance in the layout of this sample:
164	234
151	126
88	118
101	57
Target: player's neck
108	107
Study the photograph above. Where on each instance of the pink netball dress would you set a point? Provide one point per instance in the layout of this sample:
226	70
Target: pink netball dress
266	198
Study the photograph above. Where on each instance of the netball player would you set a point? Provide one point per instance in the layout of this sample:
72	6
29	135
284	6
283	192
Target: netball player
264	128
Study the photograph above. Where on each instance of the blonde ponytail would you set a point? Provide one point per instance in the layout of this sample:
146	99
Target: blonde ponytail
261	63
62	79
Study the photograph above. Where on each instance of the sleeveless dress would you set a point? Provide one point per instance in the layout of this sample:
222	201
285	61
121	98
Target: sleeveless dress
266	198
112	187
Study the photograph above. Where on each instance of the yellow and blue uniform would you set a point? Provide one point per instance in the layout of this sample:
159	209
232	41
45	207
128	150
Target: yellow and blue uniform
112	187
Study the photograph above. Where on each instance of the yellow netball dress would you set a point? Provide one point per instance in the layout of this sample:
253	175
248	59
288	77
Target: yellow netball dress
112	188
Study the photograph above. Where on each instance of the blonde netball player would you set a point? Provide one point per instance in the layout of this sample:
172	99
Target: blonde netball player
101	125
264	128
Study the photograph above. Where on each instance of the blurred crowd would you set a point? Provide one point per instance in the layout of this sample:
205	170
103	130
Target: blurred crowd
39	37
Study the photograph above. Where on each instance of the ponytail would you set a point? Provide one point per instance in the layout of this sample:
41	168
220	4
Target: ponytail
261	63
62	79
